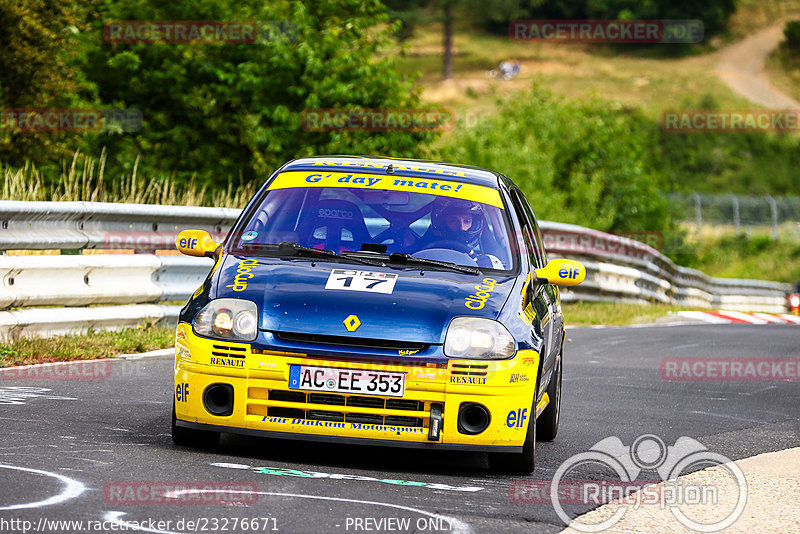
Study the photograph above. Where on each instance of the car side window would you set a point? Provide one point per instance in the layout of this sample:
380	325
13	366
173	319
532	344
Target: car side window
537	235
527	231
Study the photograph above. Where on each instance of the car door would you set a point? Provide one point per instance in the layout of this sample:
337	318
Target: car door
554	295
537	298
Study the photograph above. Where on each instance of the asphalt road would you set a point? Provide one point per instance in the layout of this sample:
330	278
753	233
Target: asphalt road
101	436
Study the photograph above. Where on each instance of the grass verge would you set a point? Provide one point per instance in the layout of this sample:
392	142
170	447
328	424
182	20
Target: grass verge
91	346
576	71
757	257
615	313
84	179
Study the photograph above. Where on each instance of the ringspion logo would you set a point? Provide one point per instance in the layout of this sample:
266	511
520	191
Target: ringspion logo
625	490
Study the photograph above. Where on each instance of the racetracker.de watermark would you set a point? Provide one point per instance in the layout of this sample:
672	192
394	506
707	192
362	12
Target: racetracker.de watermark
607	31
197	31
730	369
145	240
378	120
134	493
82	370
70	120
731	121
632	243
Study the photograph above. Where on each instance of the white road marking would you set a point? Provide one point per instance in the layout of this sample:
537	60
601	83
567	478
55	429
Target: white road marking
72	489
19	394
747	317
151	354
703	316
230	466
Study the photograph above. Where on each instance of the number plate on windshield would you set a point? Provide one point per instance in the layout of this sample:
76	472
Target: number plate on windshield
357	381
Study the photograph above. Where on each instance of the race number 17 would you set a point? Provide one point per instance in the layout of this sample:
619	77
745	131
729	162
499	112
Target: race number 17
361	281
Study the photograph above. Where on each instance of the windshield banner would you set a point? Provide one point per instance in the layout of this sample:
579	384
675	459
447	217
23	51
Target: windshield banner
444	188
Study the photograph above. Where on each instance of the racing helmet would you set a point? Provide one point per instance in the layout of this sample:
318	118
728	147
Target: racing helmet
446	210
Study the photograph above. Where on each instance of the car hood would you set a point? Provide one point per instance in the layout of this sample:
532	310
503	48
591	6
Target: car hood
292	297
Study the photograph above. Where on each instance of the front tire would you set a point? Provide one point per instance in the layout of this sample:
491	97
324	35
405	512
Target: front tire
191	437
548	421
519	463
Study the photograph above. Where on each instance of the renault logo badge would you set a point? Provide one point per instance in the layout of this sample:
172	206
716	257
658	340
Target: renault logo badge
352	323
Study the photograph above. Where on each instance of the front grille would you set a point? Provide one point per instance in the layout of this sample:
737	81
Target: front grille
325	398
365	402
227	351
469	369
325	416
287	396
294	413
363	418
403	421
307	407
404	404
351	341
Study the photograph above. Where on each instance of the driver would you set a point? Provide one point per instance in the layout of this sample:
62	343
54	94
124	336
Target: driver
460	222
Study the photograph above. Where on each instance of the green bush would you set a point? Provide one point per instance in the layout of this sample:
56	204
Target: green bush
742	163
578	162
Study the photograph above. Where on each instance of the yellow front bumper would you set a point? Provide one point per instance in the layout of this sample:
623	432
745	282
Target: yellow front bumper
263	401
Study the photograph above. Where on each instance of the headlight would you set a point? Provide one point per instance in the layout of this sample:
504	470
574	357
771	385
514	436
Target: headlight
233	319
473	338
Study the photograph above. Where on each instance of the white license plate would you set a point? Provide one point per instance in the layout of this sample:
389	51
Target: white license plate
357	381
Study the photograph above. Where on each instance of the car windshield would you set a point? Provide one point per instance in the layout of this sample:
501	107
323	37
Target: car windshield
471	229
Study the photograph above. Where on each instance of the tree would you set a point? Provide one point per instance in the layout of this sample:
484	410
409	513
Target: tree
449	12
38	47
580	162
235	110
217	112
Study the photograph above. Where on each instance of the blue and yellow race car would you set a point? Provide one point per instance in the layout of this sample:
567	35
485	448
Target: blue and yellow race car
380	301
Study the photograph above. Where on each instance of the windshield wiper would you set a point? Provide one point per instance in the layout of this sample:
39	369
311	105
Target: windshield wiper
402	257
295	249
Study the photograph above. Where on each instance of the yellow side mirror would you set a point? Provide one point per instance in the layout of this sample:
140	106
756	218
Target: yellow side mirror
196	243
562	272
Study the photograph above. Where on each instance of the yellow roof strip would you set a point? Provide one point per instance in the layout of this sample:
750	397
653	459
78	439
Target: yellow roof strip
444	188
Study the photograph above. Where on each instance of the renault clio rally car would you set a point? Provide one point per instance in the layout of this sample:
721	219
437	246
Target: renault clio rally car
379	301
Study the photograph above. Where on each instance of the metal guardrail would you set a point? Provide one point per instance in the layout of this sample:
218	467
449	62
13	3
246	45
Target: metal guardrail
618	269
98	279
624	269
87	225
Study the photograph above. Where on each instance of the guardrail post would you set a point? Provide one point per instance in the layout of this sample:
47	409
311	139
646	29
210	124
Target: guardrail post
773	206
698	212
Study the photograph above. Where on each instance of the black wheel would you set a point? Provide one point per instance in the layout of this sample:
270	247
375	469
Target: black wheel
548	421
190	437
519	463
